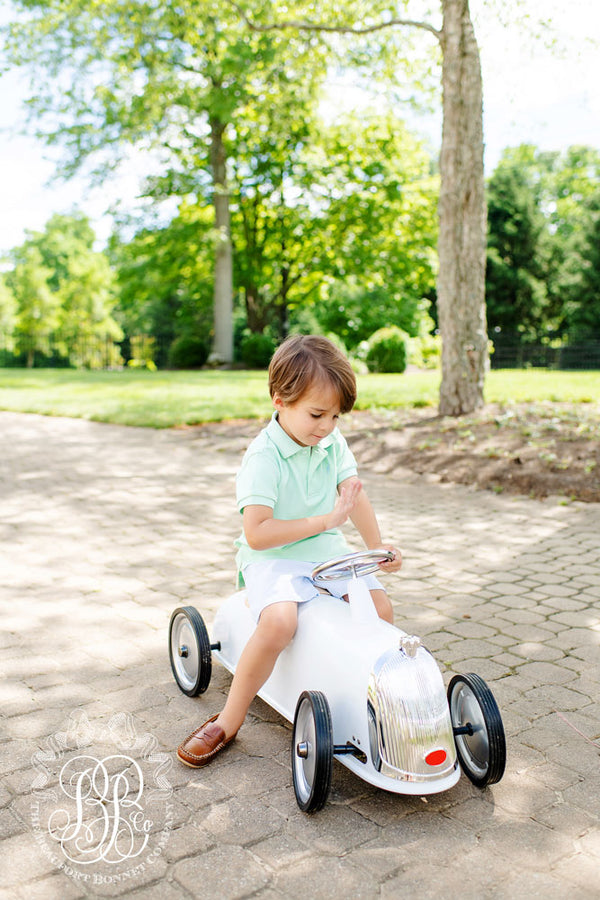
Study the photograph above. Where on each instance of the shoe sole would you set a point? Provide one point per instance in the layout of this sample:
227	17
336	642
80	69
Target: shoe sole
207	759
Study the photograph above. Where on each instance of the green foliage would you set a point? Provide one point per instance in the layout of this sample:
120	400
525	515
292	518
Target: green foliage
256	350
8	311
187	352
378	198
64	292
388	350
516	293
37	306
425	351
542	261
164	276
583	312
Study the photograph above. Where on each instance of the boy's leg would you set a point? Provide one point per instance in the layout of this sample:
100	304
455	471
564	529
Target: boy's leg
383	605
276	628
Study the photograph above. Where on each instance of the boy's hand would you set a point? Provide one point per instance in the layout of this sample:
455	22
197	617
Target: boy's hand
394	564
345	503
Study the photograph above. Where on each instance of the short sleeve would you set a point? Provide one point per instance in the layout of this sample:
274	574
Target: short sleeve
345	462
257	482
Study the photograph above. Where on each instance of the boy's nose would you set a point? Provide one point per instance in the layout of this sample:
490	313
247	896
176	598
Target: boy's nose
326	428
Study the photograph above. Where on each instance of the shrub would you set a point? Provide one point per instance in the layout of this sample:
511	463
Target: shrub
388	350
187	352
425	351
256	350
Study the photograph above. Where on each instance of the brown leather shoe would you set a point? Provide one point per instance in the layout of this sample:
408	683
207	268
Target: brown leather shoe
203	744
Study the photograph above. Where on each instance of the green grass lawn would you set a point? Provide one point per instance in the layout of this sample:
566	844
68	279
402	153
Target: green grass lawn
162	399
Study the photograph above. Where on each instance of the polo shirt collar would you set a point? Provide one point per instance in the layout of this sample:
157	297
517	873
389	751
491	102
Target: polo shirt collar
287	446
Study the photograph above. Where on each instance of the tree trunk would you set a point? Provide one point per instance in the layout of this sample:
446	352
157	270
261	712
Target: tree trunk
462	215
223	285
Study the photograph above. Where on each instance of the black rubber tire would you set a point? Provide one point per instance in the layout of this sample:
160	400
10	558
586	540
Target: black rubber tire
194	677
312	775
482	756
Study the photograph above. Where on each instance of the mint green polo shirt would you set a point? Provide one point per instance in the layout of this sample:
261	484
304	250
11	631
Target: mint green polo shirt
295	482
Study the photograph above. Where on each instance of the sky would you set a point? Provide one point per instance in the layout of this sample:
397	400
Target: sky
532	95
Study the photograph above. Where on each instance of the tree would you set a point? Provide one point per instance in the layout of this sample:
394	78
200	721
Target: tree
64	291
37	305
379	195
8	311
462	210
272	218
540	274
583	310
570	184
518	249
462	205
164	277
170	78
344	205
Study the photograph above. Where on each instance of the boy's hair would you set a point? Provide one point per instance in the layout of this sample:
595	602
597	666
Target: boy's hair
306	359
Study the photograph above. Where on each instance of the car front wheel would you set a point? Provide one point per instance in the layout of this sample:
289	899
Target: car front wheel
312	751
478	729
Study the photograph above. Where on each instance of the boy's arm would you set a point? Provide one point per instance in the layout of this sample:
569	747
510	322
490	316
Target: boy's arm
264	532
365	521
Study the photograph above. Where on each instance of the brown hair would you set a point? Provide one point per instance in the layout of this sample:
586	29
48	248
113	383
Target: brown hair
307	359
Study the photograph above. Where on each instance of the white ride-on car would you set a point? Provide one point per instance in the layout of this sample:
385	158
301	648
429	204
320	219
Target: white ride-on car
355	688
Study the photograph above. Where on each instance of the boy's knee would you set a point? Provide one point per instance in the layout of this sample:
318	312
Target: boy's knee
280	624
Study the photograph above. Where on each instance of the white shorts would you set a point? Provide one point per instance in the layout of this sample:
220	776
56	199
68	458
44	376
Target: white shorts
277	580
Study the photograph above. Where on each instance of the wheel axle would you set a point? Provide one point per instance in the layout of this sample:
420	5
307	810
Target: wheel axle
464	729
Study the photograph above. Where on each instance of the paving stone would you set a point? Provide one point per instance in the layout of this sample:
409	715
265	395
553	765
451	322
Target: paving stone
10	824
580	871
228	872
23	860
161	890
524	841
326	878
56	887
241	822
533	650
570	820
187	841
540	886
280	851
539	673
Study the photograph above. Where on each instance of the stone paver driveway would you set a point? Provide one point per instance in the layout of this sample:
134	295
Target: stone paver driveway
105	530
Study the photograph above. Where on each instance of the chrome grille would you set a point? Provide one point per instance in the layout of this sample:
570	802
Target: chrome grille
408	716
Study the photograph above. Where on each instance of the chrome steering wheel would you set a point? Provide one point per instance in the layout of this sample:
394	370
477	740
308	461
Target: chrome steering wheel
352	565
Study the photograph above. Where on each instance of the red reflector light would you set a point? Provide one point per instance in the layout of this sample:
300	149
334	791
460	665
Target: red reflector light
436	757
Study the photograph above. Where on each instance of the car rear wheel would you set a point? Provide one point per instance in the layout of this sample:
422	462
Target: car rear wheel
190	651
312	751
478	729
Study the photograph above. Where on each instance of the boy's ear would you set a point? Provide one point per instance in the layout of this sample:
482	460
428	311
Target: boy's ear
278	402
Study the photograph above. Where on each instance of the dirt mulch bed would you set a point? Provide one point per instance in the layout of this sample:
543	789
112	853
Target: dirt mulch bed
539	450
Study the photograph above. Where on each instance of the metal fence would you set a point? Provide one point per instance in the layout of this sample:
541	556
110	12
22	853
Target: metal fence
510	351
567	352
53	351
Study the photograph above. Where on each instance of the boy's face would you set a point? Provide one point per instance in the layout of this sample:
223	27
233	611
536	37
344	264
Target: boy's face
310	418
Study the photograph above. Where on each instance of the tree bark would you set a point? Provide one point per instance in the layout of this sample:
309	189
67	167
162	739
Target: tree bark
462	217
223	285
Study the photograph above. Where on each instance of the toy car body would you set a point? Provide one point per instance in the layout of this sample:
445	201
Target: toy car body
357	688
